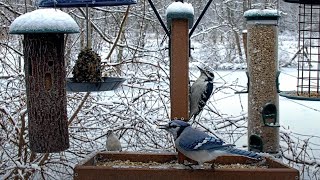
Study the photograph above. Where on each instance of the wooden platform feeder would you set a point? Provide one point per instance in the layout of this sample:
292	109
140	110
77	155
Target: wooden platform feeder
93	167
45	75
146	166
263	86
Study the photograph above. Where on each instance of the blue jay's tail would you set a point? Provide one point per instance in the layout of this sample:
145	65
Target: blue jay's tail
240	152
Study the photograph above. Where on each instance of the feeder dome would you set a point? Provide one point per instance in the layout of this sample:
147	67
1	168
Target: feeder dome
303	1
44	21
84	3
262	14
180	10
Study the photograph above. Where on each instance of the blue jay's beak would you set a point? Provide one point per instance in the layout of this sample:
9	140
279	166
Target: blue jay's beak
165	127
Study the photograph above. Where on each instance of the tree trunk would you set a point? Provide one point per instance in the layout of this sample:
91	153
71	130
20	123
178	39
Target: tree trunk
46	93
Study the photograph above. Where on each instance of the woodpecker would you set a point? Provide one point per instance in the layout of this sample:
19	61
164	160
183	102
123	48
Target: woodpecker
200	92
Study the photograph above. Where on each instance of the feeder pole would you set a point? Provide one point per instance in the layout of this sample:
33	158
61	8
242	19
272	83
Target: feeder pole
263	86
179	23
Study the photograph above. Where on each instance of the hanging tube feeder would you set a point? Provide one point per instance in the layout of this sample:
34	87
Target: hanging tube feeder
263	98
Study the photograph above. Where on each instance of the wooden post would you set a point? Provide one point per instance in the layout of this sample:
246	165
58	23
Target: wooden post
45	76
179	69
179	22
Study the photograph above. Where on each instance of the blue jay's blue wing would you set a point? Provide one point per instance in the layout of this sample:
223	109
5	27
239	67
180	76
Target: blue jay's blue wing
198	140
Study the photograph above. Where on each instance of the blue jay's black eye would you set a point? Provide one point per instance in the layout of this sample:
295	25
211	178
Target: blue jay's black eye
173	126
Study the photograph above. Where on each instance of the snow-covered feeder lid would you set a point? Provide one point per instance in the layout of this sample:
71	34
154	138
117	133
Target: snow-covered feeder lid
84	3
44	21
303	1
180	10
262	14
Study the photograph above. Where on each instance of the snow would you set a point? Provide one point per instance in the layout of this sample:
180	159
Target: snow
262	12
179	7
44	21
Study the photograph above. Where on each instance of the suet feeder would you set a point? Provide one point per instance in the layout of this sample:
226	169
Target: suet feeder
263	99
87	71
45	75
308	79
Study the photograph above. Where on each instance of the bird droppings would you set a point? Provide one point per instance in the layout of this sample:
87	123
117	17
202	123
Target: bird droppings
174	165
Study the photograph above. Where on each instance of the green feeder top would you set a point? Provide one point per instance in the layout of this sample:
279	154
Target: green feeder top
44	21
180	10
262	14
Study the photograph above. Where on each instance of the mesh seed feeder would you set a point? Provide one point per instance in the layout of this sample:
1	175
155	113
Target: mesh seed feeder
308	79
45	75
263	86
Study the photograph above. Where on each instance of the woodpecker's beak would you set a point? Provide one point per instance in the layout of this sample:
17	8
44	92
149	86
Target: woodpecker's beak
200	69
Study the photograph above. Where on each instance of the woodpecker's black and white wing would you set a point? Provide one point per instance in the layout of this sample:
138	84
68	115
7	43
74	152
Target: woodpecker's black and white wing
200	92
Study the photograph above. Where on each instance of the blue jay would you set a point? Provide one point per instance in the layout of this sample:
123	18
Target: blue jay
200	92
199	146
113	143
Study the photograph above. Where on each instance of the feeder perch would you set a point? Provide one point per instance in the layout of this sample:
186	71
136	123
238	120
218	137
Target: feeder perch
270	115
45	75
255	143
308	78
263	98
84	3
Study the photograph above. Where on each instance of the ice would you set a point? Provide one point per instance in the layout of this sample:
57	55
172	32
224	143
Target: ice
44	21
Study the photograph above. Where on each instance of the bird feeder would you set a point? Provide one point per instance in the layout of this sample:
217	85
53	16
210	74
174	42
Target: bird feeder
84	3
45	75
92	65
263	99
179	20
158	165
308	79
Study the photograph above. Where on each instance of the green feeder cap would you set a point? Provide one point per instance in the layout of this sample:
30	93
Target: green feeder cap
259	14
44	21
179	10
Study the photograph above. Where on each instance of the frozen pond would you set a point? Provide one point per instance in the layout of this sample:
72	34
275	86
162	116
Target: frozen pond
302	117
